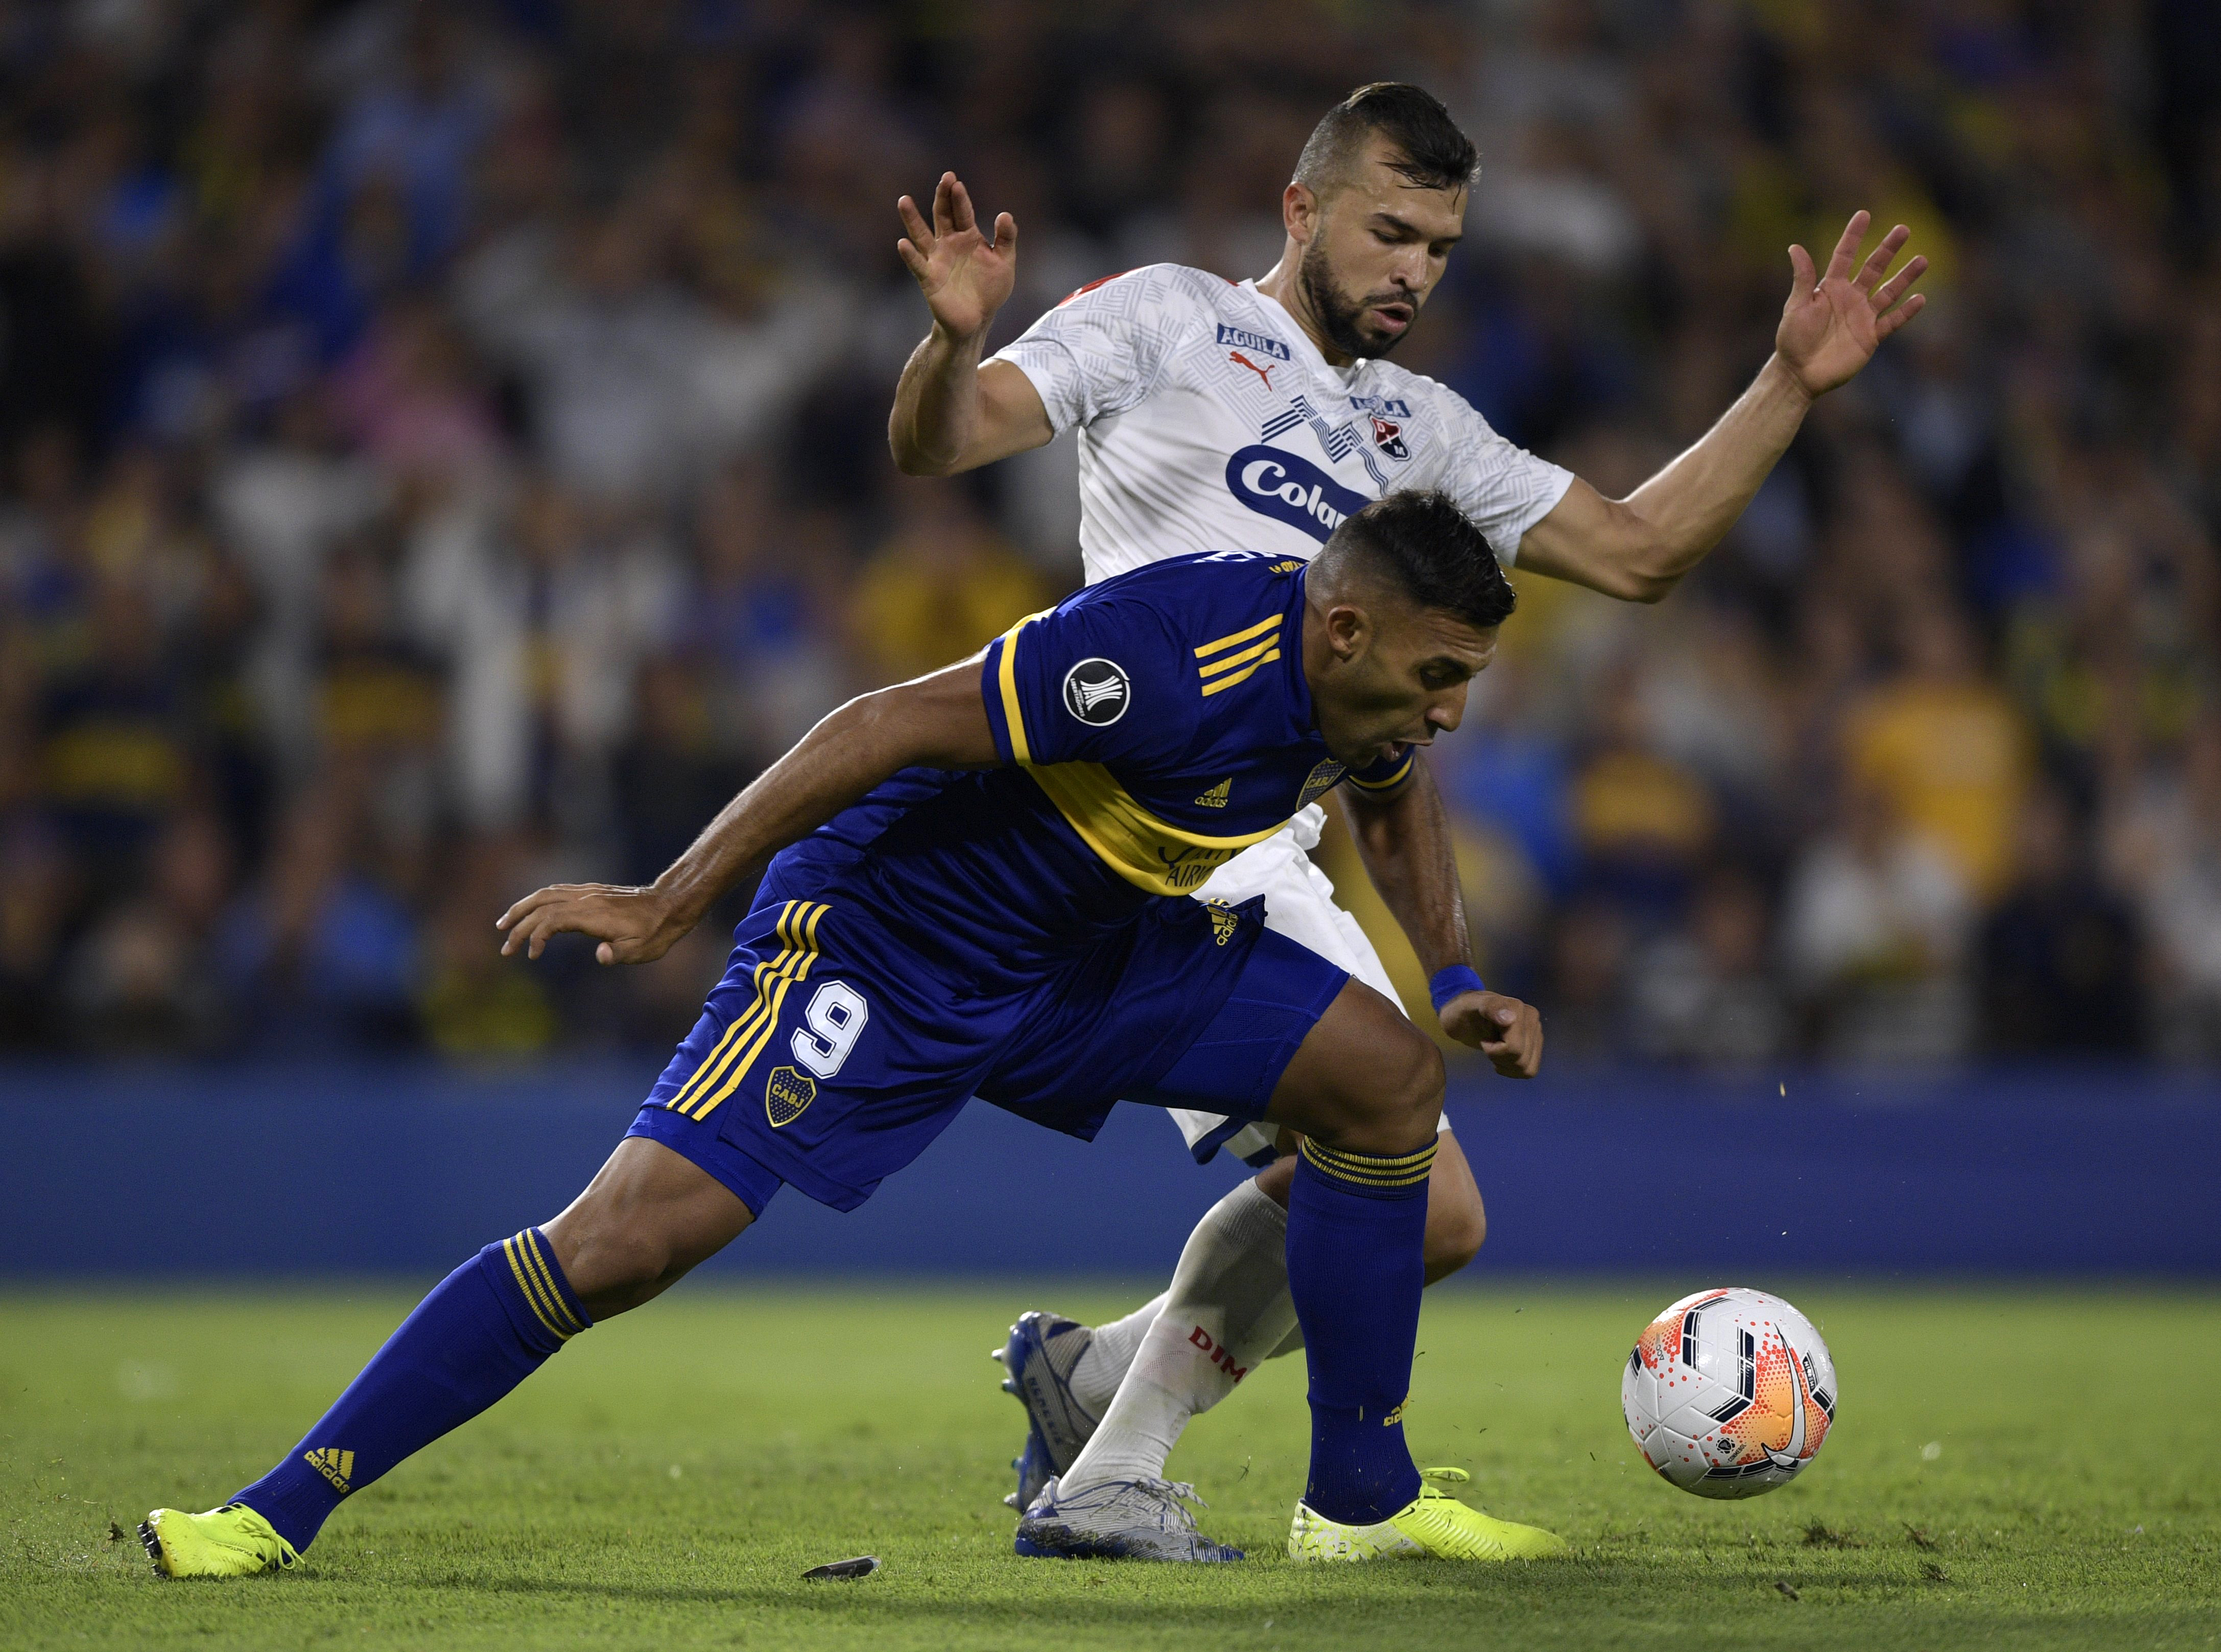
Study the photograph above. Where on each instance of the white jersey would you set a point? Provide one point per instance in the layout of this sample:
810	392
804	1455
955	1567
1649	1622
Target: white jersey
1209	421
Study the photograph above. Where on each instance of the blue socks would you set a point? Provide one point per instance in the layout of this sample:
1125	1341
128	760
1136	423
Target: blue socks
486	1328
1356	1228
1356	1232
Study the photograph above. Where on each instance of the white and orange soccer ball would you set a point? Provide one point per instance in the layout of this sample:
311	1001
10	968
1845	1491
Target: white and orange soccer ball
1728	1393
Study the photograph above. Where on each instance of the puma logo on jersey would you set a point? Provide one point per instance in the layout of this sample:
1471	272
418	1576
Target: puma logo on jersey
1216	798
1265	373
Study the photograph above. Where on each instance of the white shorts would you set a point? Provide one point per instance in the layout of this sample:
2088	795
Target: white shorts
1298	904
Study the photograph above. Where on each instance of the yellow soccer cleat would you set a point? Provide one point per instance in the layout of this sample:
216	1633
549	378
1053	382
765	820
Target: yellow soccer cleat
232	1542
1434	1524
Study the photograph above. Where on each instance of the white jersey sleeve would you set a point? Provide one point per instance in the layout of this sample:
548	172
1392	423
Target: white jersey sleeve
1103	350
1503	487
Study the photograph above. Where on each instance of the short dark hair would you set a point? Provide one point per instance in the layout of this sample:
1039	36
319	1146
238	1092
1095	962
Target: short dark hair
1431	550
1433	154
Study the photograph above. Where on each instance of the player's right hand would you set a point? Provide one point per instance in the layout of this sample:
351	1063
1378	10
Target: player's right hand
1507	1031
635	926
966	276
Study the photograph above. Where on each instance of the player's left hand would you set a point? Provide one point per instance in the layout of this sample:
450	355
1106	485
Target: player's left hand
1831	328
635	926
1504	1030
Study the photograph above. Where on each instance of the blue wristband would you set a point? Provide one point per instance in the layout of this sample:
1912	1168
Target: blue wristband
1446	984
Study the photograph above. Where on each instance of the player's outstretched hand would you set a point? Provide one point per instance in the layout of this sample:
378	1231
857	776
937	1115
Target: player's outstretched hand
964	276
635	926
1504	1030
1831	328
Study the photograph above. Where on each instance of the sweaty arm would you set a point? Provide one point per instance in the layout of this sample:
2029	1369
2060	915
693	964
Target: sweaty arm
1402	835
937	721
1640	547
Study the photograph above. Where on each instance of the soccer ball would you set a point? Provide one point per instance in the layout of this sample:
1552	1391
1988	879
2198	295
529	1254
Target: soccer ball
1728	1393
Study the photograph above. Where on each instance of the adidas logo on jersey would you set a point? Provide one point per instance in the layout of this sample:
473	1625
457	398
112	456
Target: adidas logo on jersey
1216	798
1224	926
335	1464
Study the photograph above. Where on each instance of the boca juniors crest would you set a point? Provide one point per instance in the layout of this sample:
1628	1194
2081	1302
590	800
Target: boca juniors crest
1321	780
786	1093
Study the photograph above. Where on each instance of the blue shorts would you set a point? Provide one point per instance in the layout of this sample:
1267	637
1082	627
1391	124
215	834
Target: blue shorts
832	1054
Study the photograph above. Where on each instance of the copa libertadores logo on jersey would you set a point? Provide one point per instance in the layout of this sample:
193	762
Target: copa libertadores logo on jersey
1292	489
1097	692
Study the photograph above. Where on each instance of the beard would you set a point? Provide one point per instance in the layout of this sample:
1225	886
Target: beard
1342	320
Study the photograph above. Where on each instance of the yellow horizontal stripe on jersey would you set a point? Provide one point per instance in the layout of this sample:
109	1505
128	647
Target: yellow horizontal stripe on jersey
701	1076
1397	779
770	981
800	970
1149	853
1241	676
1233	660
1225	642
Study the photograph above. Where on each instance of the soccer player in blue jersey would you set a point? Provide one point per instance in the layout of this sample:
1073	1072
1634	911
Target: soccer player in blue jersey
979	884
1211	412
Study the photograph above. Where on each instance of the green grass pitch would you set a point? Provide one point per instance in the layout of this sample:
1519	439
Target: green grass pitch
2021	1469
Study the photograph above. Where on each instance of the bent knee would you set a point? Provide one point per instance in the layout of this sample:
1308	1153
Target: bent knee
1413	1082
1393	1104
611	1263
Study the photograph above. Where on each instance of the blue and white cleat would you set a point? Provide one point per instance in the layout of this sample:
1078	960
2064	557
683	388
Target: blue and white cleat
1037	1364
1119	1520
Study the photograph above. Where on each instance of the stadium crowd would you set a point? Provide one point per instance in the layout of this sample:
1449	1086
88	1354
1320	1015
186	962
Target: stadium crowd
442	450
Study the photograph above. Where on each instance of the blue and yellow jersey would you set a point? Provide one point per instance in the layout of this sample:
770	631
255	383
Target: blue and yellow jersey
1165	714
1152	726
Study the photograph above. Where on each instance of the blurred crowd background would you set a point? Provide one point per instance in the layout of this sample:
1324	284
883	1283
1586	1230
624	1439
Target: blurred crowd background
442	450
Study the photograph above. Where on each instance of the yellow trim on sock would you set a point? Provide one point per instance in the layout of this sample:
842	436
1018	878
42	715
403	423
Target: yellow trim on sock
545	1268
508	1248
1369	1171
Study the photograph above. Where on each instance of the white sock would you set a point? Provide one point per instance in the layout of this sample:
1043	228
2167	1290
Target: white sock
1098	1372
1229	1307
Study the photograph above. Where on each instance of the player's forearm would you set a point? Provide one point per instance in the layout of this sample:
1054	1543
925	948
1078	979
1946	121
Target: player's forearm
1690	505
936	721
1409	853
936	410
1638	549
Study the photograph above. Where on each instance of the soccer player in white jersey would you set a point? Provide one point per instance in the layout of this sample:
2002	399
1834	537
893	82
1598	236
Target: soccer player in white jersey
1216	415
